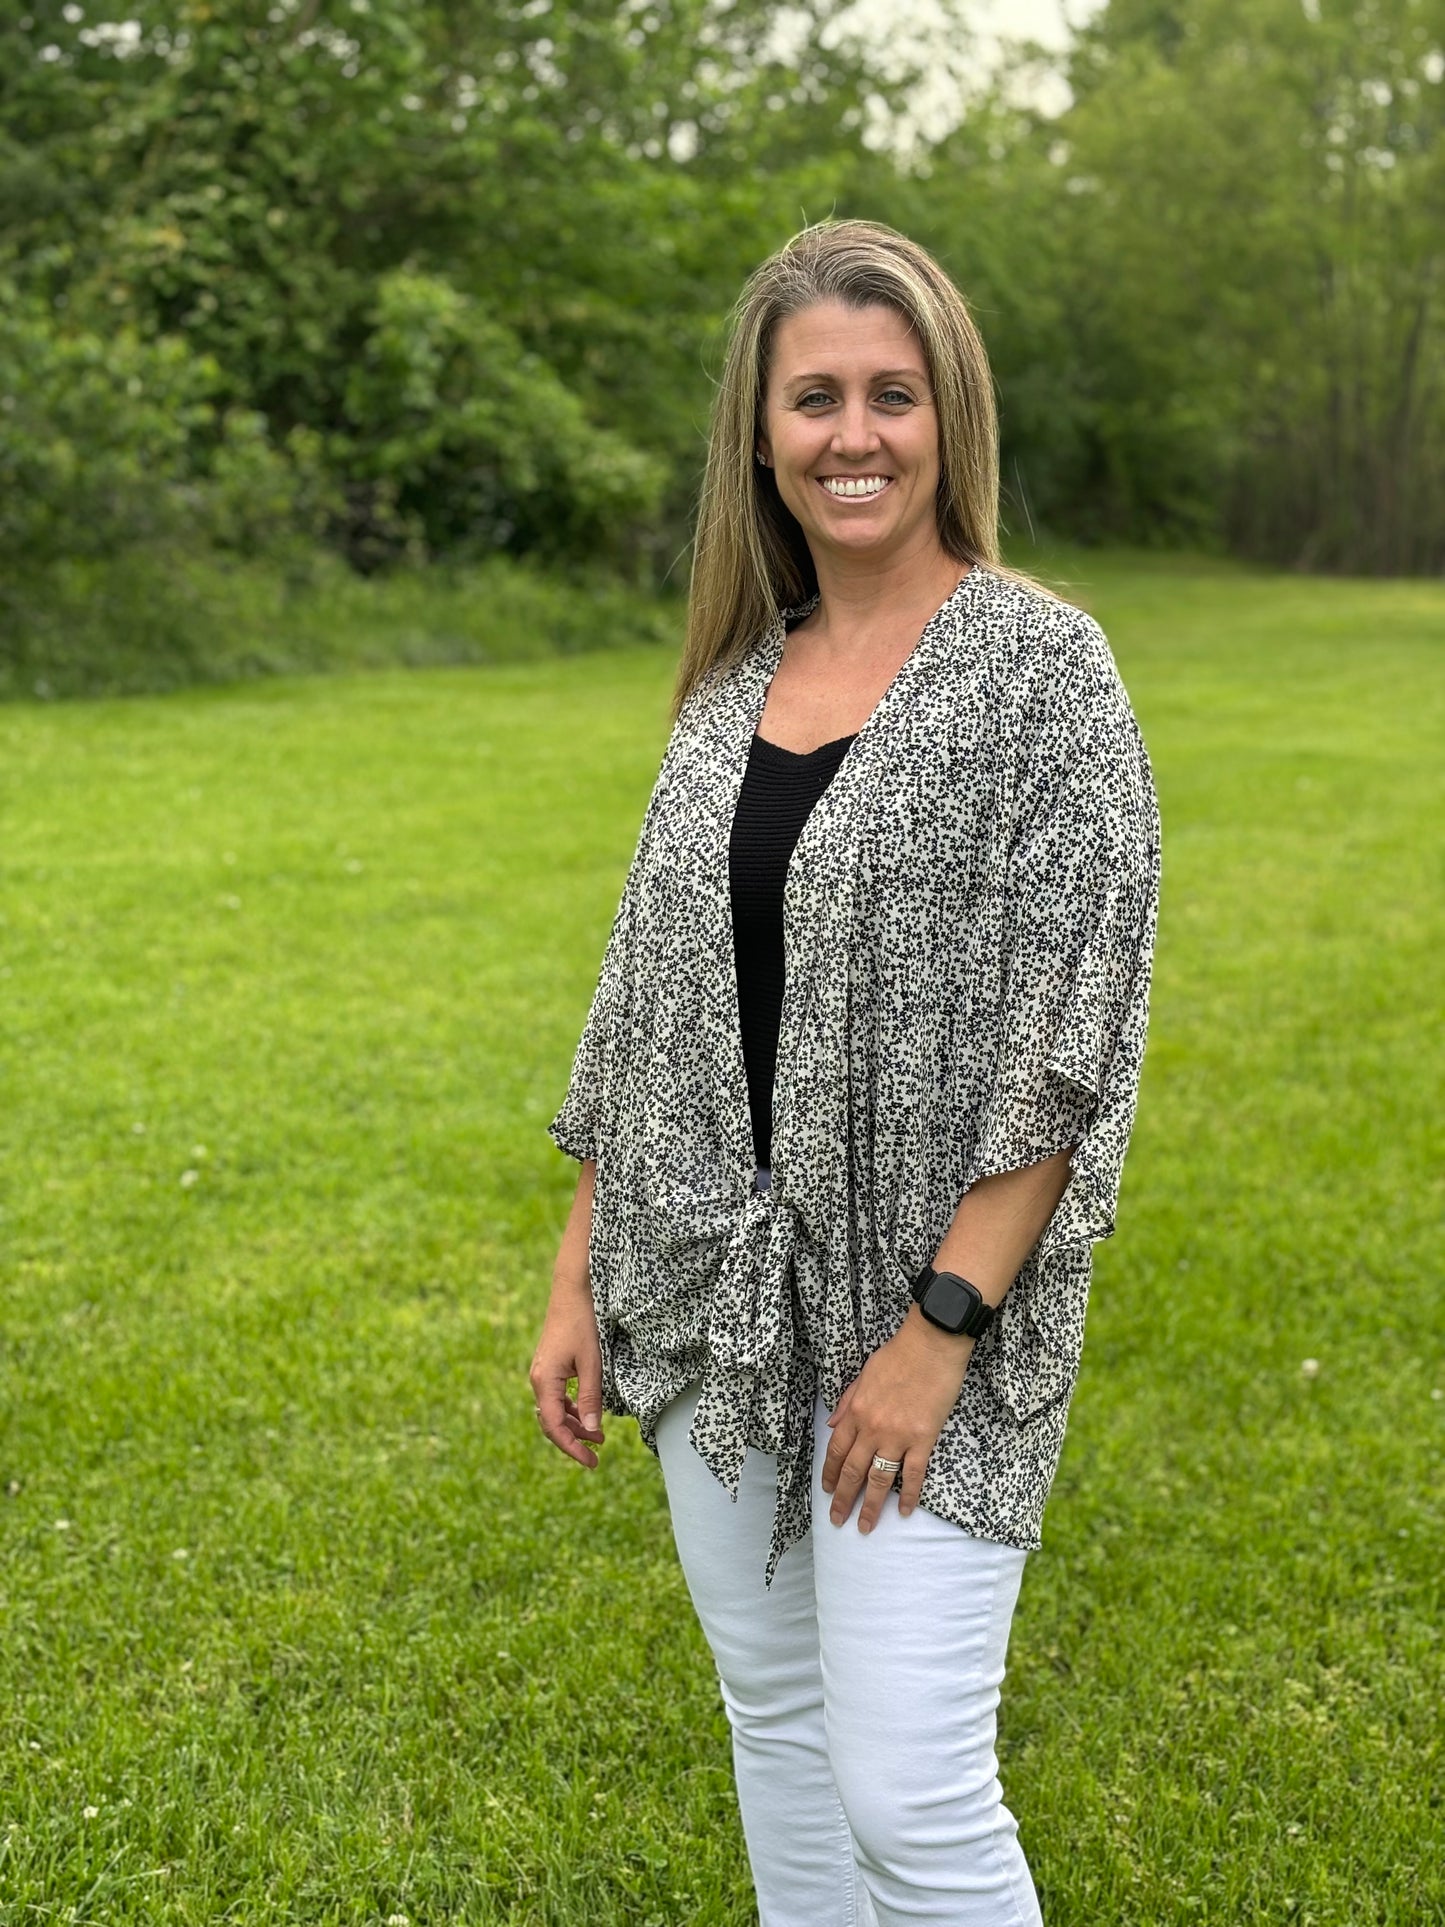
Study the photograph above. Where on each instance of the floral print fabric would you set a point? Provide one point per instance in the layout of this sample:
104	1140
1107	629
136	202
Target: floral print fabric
969	925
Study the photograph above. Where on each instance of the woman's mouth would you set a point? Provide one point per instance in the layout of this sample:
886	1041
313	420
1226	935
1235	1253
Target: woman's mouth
855	488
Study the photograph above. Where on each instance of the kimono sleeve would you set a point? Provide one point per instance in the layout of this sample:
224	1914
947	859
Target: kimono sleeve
1078	910
575	1127
1079	913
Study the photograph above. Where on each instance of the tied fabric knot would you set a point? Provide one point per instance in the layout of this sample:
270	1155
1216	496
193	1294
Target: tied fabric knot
750	1338
754	1238
758	1386
750	1323
757	1390
753	1390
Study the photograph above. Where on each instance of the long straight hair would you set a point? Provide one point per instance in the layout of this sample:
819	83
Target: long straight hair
750	557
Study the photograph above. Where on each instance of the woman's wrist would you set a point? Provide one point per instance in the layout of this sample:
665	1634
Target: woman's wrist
570	1281
950	1351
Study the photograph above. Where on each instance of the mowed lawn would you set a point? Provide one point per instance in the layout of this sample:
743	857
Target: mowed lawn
302	1621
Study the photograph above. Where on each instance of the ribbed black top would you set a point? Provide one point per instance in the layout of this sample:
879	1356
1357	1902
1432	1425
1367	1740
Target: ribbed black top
780	787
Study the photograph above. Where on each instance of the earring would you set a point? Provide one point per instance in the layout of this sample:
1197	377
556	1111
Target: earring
761	457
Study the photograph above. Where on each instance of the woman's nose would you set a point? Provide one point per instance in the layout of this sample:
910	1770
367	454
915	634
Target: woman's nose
854	436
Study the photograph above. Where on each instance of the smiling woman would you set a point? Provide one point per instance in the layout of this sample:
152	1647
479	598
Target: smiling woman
849	432
853	1095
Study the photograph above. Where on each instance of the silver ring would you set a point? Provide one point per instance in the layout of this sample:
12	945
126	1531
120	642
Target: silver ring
880	1464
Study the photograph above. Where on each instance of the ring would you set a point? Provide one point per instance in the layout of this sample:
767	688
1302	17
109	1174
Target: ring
880	1464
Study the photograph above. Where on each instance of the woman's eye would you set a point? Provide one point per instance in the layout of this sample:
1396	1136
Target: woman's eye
889	397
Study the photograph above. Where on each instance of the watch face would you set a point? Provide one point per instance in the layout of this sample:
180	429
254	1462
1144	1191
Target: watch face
950	1300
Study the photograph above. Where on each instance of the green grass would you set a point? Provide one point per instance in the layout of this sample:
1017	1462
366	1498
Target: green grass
293	1595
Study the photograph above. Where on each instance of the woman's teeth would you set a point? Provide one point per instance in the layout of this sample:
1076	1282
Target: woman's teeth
860	485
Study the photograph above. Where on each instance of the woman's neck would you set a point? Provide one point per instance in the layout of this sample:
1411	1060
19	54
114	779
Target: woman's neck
860	598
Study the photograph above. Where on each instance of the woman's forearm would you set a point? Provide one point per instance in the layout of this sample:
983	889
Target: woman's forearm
570	1272
997	1224
999	1221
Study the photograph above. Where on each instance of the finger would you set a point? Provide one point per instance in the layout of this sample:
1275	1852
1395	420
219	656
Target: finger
841	1407
579	1425
852	1475
877	1484
550	1394
915	1466
839	1447
589	1393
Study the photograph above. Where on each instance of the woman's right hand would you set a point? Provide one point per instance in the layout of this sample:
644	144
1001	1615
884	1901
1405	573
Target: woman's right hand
567	1349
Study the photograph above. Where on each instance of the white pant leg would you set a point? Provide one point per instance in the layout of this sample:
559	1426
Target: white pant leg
765	1644
914	1622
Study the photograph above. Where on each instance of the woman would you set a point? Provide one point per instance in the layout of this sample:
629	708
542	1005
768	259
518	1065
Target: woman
853	1096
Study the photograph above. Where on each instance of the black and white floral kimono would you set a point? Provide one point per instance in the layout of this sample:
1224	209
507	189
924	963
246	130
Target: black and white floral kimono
969	923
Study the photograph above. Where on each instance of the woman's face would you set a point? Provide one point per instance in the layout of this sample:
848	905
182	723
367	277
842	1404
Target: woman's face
850	429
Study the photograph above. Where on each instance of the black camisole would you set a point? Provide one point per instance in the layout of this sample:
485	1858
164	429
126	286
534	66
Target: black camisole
780	786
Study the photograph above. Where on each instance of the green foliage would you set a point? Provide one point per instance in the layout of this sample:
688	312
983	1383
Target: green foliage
95	436
432	279
109	442
1213	285
453	242
475	440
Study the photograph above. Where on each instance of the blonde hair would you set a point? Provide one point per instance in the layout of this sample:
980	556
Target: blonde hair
750	558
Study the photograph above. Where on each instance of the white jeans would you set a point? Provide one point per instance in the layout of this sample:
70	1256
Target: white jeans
862	1691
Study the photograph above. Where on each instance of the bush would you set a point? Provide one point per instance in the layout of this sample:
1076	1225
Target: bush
459	441
109	442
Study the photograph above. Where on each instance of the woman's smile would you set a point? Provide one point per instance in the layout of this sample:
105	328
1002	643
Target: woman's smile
854	488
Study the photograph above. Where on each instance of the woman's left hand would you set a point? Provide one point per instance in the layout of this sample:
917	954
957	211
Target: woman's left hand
896	1407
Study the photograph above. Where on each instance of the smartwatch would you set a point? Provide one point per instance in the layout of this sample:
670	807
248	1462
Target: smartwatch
952	1303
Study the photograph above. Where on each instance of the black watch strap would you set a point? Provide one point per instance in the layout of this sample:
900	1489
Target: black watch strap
952	1303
